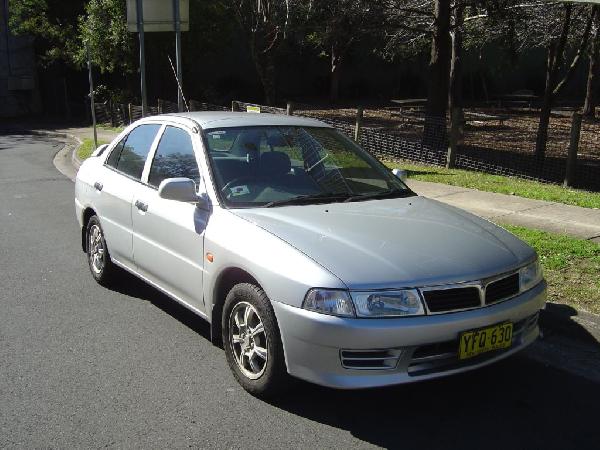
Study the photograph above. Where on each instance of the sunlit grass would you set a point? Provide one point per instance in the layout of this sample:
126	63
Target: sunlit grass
501	184
571	267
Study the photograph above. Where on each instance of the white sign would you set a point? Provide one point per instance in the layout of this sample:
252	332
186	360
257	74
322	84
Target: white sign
158	15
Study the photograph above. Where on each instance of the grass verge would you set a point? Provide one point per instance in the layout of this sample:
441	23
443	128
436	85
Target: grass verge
85	150
109	128
501	184
571	267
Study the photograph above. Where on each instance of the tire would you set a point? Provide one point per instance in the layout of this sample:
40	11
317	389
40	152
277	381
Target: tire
261	370
102	268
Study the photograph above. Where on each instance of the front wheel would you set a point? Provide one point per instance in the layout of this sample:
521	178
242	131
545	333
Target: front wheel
252	343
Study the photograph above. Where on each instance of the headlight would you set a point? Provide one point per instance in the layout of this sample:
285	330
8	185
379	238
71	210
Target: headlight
329	301
388	303
530	275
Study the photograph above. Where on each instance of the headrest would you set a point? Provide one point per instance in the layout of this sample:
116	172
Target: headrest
276	140
275	163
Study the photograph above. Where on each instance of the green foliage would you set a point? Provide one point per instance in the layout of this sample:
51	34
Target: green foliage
104	28
50	22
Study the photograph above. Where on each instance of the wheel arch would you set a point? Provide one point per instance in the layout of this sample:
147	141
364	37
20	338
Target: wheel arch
228	278
87	214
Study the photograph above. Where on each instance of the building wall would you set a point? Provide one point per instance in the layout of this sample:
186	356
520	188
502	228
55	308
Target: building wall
19	94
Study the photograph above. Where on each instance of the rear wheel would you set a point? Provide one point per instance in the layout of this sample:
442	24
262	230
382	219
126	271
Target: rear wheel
102	268
252	342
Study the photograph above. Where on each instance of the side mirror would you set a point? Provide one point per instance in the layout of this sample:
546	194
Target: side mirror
99	150
400	173
179	189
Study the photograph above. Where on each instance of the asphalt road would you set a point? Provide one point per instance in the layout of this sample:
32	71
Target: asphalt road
83	366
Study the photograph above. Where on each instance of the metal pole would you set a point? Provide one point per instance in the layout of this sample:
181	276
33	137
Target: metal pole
177	19
140	27
92	104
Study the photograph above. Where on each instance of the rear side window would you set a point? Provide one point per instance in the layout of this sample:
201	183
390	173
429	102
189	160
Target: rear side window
113	158
174	157
135	150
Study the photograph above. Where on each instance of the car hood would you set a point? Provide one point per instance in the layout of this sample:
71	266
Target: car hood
402	242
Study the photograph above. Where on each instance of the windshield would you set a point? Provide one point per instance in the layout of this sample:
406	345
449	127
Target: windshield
276	165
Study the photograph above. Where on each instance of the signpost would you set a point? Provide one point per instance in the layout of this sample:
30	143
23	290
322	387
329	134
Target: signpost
155	16
140	30
92	103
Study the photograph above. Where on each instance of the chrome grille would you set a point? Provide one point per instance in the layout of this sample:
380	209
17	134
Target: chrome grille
370	359
442	300
501	289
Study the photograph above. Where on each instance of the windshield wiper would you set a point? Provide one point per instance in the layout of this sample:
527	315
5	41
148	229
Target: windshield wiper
389	193
307	199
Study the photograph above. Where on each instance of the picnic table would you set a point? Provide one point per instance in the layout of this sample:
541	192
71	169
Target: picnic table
410	102
483	117
523	97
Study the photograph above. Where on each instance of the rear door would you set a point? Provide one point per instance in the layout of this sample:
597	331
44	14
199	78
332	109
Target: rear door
168	238
115	187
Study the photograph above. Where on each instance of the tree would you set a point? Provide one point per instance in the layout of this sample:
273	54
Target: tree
556	60
265	24
561	29
50	22
334	26
589	106
104	28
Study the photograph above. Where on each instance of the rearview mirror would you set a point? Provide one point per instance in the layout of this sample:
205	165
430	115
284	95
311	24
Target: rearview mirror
400	173
178	189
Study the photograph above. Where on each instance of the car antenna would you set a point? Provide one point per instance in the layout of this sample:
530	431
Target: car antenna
178	84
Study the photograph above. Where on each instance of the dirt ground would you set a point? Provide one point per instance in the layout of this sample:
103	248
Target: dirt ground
515	133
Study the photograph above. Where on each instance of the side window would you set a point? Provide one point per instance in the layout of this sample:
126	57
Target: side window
113	158
174	157
136	148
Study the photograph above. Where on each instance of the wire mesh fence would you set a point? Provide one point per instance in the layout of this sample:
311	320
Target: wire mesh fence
493	140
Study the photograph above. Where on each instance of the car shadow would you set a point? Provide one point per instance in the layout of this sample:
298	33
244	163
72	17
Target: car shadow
516	403
132	286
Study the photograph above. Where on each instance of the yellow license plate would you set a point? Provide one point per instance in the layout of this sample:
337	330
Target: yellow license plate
476	342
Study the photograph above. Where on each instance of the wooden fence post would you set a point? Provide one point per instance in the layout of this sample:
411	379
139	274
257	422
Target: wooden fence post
290	109
571	173
111	111
130	112
161	106
233	106
358	126
453	138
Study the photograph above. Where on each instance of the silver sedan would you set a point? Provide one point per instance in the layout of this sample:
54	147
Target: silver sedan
306	255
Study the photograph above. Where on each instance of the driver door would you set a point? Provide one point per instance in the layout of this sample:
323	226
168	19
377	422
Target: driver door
168	236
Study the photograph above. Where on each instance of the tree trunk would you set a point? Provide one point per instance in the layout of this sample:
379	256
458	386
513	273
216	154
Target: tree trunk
265	68
434	132
336	62
455	99
589	106
555	55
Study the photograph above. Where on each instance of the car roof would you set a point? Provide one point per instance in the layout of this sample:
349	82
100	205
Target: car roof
224	119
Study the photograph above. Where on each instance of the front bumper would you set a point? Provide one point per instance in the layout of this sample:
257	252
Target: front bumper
423	347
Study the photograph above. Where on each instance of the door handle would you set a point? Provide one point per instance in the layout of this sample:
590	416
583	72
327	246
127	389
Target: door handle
98	186
141	206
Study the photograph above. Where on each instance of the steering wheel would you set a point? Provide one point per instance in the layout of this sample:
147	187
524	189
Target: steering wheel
235	181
